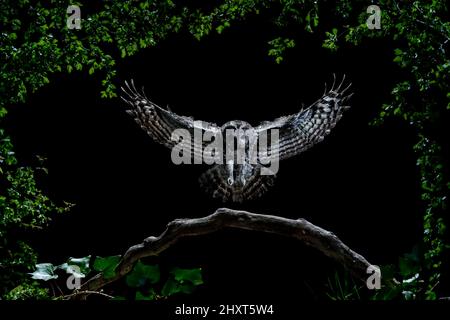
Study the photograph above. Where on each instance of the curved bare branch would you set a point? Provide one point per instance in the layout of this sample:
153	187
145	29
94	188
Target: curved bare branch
310	234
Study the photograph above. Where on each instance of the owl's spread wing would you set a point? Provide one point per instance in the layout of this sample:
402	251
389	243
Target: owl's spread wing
160	123
300	131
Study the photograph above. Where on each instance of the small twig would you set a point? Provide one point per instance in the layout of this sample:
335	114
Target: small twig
52	287
59	289
86	293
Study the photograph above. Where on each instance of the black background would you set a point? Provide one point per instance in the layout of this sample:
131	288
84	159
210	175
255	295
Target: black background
361	182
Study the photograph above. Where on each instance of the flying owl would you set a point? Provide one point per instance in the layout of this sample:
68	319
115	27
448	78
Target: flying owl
229	179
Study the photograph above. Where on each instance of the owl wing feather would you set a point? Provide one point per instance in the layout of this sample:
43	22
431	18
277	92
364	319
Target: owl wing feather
160	123
300	131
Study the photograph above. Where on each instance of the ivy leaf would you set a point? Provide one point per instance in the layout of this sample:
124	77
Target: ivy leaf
141	274
44	271
78	267
83	263
107	265
184	280
150	296
173	286
192	275
70	269
170	288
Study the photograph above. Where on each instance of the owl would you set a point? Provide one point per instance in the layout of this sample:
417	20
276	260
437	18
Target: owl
247	168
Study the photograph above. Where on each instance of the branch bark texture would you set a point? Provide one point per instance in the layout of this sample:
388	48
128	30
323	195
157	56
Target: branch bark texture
310	234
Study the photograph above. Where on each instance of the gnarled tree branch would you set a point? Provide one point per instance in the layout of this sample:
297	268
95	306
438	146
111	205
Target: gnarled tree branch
300	229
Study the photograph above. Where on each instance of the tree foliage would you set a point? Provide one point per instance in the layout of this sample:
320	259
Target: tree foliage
23	208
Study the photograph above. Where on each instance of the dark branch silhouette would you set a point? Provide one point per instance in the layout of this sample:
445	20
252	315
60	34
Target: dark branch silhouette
313	236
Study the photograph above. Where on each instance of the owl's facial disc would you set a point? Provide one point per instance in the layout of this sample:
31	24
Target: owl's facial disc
236	125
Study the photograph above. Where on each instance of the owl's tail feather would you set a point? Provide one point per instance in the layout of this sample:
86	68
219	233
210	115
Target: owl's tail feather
215	182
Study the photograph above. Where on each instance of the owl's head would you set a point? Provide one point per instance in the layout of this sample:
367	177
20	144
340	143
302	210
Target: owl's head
236	125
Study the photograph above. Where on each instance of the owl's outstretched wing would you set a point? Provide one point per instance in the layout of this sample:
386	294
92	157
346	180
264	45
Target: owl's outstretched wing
160	123
300	131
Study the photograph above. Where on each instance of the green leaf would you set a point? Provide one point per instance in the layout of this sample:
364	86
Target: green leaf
192	275
316	20
44	271
107	265
83	263
170	287
71	266
142	274
3	112
219	29
150	296
70	269
173	286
